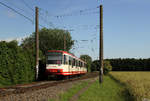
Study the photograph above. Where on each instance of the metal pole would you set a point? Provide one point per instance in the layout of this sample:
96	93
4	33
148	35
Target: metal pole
101	45
37	40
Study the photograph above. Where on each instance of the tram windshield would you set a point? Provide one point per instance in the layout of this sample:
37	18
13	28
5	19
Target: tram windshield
54	58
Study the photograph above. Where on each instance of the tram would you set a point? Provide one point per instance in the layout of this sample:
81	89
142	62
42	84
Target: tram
63	63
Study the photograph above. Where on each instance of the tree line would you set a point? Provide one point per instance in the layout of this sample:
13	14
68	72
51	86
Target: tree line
130	64
125	64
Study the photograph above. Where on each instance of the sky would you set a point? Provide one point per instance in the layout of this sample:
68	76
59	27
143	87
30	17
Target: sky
126	24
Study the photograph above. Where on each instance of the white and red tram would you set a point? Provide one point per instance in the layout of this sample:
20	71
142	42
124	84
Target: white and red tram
63	63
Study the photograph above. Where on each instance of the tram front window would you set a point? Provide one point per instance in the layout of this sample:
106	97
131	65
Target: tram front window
53	62
54	58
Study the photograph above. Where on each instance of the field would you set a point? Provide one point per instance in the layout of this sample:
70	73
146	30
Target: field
138	83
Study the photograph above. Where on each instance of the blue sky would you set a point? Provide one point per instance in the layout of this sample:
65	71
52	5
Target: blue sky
126	24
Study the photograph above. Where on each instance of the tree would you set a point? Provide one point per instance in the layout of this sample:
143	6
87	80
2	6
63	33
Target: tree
88	61
49	39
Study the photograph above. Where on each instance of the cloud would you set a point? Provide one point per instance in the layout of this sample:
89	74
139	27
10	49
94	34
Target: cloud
10	39
10	14
7	40
19	39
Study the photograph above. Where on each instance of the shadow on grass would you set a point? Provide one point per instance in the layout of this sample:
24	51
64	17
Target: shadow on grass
125	93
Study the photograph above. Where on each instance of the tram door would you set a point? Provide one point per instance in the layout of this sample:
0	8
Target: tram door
65	63
70	65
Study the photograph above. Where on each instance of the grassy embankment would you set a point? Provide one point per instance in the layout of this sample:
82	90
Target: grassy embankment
138	83
65	96
108	91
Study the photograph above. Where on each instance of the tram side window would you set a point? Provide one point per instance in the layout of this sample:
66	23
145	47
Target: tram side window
79	64
64	59
84	65
70	60
73	62
76	63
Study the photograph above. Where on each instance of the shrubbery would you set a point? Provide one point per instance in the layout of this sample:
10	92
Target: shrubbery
16	65
107	67
96	65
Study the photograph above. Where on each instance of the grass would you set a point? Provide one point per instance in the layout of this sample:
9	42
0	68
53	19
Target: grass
65	96
1	86
108	91
6	85
138	83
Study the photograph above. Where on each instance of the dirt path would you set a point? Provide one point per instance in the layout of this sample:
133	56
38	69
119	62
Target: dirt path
77	95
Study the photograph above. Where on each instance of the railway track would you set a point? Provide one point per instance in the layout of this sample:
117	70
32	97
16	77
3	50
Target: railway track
23	88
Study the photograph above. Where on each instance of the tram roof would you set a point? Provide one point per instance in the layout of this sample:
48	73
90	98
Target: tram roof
65	52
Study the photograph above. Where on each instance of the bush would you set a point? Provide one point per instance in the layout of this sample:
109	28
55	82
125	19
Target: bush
96	65
107	67
16	65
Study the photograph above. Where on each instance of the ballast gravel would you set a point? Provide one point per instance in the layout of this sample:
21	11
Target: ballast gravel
42	94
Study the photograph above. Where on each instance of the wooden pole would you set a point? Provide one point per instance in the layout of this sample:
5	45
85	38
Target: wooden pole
101	45
65	42
37	40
